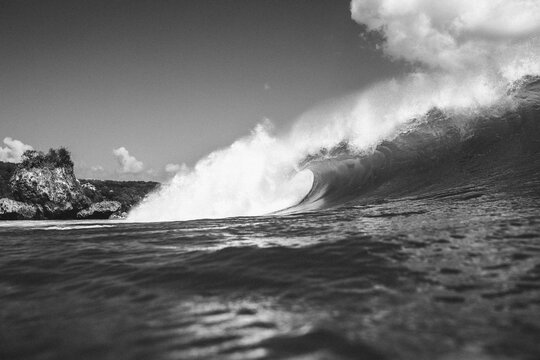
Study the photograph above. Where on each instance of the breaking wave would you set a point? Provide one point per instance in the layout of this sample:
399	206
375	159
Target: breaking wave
264	174
436	140
470	87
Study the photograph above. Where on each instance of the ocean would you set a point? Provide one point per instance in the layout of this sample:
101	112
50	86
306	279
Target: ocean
427	248
449	269
446	275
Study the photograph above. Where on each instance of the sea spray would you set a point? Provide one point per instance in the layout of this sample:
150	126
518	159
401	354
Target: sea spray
384	108
256	175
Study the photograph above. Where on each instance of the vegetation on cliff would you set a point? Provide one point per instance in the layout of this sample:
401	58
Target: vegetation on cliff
55	158
6	171
127	193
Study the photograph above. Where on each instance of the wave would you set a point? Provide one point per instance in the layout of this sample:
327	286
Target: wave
337	155
455	95
430	141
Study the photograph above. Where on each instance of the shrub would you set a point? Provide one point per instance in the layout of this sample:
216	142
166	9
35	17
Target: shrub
128	193
55	158
6	171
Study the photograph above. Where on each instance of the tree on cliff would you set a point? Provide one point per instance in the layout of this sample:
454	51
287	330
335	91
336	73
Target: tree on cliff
55	158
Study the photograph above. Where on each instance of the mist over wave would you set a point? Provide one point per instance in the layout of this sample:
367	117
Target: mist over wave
466	58
257	174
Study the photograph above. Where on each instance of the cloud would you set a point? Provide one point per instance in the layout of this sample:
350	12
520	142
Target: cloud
13	150
85	171
174	168
128	164
502	35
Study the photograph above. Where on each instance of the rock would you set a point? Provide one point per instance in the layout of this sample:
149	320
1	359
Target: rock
16	210
55	189
58	210
100	210
119	215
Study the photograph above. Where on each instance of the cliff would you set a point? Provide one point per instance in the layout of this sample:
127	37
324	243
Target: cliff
44	186
56	190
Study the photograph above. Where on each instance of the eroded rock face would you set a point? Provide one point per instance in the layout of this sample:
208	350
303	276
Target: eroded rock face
100	210
55	189
16	210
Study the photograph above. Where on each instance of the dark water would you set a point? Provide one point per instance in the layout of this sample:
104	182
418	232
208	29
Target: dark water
453	273
428	250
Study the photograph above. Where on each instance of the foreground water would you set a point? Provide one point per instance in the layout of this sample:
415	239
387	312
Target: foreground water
451	274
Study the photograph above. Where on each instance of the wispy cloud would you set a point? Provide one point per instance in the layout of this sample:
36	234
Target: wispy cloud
13	150
85	171
175	168
127	163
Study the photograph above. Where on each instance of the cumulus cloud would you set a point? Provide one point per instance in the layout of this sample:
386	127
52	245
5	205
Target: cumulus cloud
502	35
13	150
127	164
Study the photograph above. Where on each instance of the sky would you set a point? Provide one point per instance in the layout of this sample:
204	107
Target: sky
137	87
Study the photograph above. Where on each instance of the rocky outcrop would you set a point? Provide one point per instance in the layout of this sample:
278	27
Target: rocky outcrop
56	190
16	210
120	215
44	186
100	210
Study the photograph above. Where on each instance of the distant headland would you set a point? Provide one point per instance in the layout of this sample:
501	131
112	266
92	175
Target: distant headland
43	186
